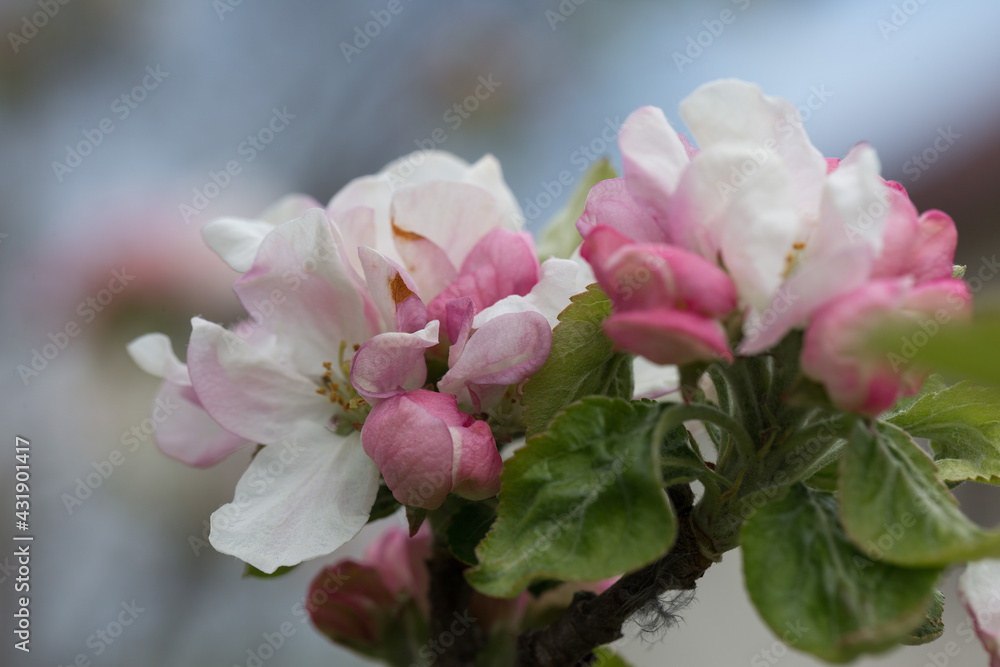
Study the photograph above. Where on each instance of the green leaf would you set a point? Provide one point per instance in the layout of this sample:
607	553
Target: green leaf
385	505
680	464
560	238
932	385
963	424
582	362
817	591
583	501
252	572
933	626
825	478
896	509
467	528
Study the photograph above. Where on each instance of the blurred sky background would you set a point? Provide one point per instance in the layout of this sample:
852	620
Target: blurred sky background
899	74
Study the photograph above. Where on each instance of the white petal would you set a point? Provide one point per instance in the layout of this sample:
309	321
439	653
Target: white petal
853	207
298	500
560	279
730	111
760	227
655	380
487	174
154	354
653	155
453	216
979	590
302	290
236	240
424	167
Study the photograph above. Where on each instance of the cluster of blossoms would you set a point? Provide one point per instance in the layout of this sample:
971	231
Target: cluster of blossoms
391	332
419	276
801	242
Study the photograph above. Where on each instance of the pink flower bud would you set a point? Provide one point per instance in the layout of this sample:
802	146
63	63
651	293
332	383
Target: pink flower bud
838	348
427	448
351	604
667	300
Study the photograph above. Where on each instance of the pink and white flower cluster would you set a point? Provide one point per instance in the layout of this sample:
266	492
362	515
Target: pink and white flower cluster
756	223
408	309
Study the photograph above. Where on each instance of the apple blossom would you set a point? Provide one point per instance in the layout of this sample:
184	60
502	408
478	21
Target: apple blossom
339	326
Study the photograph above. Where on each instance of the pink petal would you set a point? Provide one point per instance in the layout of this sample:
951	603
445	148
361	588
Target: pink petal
413	447
936	243
610	203
186	432
392	363
899	237
402	560
247	392
836	349
644	276
502	263
477	475
459	314
667	336
503	351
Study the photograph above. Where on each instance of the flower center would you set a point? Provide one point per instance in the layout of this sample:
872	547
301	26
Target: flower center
341	392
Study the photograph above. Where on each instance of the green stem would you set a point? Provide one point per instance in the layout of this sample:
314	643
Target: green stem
678	414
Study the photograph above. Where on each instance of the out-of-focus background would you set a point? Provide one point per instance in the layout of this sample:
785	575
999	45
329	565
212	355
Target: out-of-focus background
117	121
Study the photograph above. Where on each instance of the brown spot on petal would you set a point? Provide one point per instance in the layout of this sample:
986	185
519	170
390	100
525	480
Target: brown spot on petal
799	245
400	292
404	234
